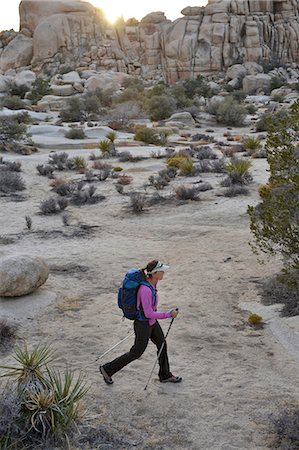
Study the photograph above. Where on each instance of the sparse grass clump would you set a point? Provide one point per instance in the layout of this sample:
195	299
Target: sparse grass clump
13	102
238	171
79	162
147	135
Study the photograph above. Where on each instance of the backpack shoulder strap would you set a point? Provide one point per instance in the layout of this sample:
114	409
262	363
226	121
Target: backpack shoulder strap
146	283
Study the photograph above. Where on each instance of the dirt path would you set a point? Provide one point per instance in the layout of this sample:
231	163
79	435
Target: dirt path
233	376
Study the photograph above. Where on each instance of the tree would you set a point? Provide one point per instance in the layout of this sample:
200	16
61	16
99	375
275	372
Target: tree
274	222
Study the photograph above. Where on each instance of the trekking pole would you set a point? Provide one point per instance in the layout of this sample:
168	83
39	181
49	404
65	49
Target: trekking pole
160	351
114	346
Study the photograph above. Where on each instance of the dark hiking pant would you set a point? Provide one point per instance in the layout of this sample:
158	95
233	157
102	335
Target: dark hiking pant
143	333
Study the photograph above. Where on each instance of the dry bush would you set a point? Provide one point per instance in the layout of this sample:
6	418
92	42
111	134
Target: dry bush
8	334
28	222
58	181
138	201
235	190
202	187
52	206
124	180
119	188
12	166
204	152
128	157
103	174
101	165
46	170
11	182
187	193
229	151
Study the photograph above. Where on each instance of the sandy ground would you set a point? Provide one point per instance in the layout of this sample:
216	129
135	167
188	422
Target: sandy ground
233	376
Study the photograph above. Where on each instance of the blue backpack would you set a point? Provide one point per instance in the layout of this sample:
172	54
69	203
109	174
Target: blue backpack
127	294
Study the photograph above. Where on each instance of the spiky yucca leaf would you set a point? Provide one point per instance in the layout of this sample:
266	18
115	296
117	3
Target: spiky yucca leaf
31	364
104	145
240	166
111	136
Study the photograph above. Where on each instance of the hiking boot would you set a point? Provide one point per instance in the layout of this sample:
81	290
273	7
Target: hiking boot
107	378
172	379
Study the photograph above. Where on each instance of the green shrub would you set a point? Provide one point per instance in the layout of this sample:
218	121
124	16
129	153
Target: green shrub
187	167
79	162
19	91
176	160
229	112
178	92
237	170
13	102
274	221
147	135
39	89
112	135
251	108
197	87
267	119
75	133
255	319
104	146
251	144
11	130
73	111
239	96
276	82
160	107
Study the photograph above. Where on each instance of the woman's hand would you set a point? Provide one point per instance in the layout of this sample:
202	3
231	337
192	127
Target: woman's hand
174	313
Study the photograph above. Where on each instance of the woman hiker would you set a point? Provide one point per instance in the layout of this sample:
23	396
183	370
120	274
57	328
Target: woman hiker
145	329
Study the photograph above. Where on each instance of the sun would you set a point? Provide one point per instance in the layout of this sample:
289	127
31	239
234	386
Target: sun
112	13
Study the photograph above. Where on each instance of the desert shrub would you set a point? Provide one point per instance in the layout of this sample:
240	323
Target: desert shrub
11	182
236	189
178	92
229	151
128	157
23	117
41	404
84	196
39	89
203	187
111	136
28	221
203	166
11	130
284	428
73	111
204	152
202	137
251	108
13	102
12	166
269	119
239	96
147	135
238	171
118	169
137	201
103	174
186	193
8	334
75	133
229	112
197	87
218	166
18	91
160	107
64	189
158	182
59	161
62	203
133	82
49	206
123	180
101	165
91	103
276	82
274	221
282	289
119	188
65	220
123	112
89	175
46	170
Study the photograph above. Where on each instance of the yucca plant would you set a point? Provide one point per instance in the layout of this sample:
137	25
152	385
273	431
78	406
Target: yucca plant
104	146
31	364
251	145
111	136
79	162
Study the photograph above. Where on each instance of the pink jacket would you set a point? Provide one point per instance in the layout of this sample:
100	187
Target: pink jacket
145	298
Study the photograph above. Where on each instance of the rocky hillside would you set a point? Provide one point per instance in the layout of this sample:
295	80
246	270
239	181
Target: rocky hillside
56	34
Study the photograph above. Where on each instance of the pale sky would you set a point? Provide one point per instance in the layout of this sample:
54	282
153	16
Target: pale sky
9	11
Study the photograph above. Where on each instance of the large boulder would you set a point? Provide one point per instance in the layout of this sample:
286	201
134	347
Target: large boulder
4	84
104	81
21	275
25	78
18	53
183	117
253	84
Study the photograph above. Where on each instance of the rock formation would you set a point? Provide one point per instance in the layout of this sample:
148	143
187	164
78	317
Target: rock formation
71	33
21	275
